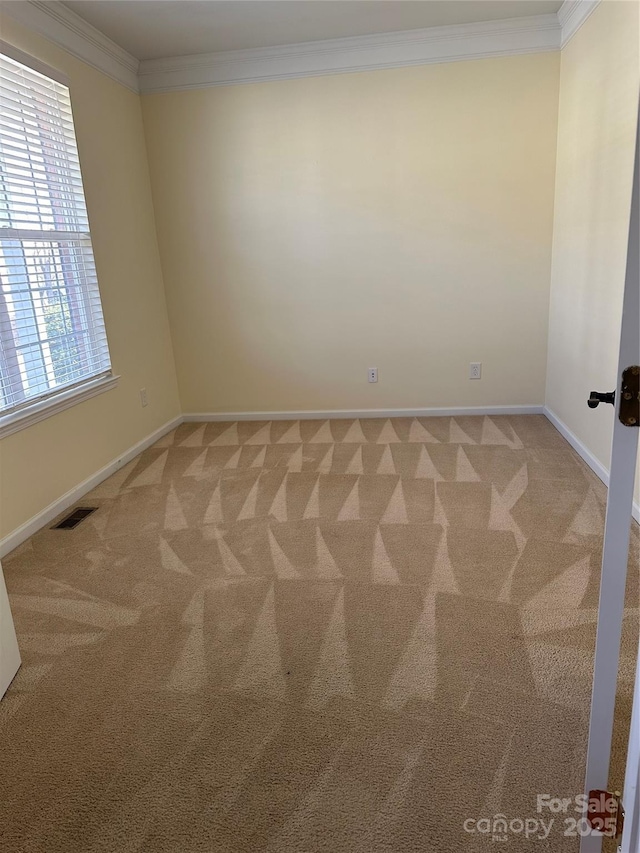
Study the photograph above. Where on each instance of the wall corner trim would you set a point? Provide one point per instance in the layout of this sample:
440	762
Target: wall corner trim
583	451
72	33
572	15
22	533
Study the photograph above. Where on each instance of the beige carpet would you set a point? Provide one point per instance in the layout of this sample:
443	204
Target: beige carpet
310	636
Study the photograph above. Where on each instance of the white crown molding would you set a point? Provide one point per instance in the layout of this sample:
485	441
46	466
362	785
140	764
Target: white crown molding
454	43
360	53
72	33
572	15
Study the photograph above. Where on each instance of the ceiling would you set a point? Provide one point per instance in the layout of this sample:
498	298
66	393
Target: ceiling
149	29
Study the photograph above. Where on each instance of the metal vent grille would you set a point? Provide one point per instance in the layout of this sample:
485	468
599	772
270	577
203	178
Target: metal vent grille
74	518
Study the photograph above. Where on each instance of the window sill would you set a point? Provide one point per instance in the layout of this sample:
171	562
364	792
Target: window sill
31	415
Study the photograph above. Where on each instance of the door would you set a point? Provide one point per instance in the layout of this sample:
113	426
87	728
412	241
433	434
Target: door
614	559
631	835
9	654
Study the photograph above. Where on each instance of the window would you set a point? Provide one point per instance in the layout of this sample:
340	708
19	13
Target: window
52	335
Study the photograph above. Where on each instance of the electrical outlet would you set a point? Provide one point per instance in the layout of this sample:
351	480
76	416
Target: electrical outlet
143	397
475	370
372	374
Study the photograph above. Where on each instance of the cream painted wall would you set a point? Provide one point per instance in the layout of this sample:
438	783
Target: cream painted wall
402	219
40	464
600	70
312	228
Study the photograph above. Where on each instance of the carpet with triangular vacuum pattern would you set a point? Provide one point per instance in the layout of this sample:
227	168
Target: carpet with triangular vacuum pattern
301	636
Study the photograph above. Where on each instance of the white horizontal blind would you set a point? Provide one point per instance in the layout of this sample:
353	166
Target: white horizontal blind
52	334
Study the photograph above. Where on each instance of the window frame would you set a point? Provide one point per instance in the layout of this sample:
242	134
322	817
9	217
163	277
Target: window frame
49	404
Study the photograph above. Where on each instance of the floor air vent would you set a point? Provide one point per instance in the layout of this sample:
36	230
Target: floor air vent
74	518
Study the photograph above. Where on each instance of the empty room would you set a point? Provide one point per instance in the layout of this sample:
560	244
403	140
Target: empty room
319	414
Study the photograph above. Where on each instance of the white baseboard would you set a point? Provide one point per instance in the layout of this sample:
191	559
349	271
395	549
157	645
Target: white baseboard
583	451
18	536
22	533
325	414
